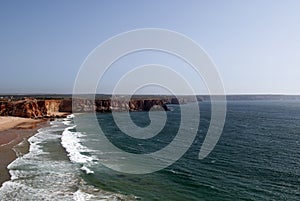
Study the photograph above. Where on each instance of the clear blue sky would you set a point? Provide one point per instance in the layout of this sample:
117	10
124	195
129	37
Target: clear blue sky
254	43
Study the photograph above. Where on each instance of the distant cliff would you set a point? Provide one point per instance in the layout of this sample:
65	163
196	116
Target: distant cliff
86	105
33	108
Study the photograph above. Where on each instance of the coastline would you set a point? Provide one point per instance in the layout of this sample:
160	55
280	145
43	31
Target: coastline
14	133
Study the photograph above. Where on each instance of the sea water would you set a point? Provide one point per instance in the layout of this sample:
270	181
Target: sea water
256	158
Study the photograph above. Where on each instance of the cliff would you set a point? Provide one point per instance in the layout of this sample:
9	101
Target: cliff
107	105
32	108
26	108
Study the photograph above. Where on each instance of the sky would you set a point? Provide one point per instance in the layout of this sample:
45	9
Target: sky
255	44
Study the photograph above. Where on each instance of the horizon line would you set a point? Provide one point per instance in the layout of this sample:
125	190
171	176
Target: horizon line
108	94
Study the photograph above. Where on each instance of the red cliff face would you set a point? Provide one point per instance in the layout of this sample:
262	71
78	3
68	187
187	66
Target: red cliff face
23	108
52	106
31	108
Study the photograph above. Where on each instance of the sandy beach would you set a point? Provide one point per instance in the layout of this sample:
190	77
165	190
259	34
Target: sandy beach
13	131
12	122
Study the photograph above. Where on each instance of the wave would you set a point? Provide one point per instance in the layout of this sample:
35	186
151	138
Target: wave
37	175
87	170
46	173
71	142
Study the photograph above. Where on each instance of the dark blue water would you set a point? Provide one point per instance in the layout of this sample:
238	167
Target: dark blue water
256	158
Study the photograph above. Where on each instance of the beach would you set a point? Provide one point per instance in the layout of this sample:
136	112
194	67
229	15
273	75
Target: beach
14	132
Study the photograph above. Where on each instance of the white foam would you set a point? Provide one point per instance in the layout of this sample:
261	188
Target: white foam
67	122
71	142
81	196
71	116
90	193
87	170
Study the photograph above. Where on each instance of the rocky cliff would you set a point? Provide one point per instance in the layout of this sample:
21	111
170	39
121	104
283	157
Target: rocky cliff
107	105
52	106
29	109
32	108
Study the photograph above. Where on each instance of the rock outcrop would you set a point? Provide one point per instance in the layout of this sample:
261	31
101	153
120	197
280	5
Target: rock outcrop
52	106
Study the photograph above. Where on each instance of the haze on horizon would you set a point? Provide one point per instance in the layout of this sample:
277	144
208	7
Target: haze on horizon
254	44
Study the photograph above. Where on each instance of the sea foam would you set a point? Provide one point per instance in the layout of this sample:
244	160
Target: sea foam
71	142
37	175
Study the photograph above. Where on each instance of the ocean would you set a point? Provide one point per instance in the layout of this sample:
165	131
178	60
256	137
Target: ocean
256	158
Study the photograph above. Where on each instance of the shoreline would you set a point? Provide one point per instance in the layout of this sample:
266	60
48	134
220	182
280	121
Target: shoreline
14	135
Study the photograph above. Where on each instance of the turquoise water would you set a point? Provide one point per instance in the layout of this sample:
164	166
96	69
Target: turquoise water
256	158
